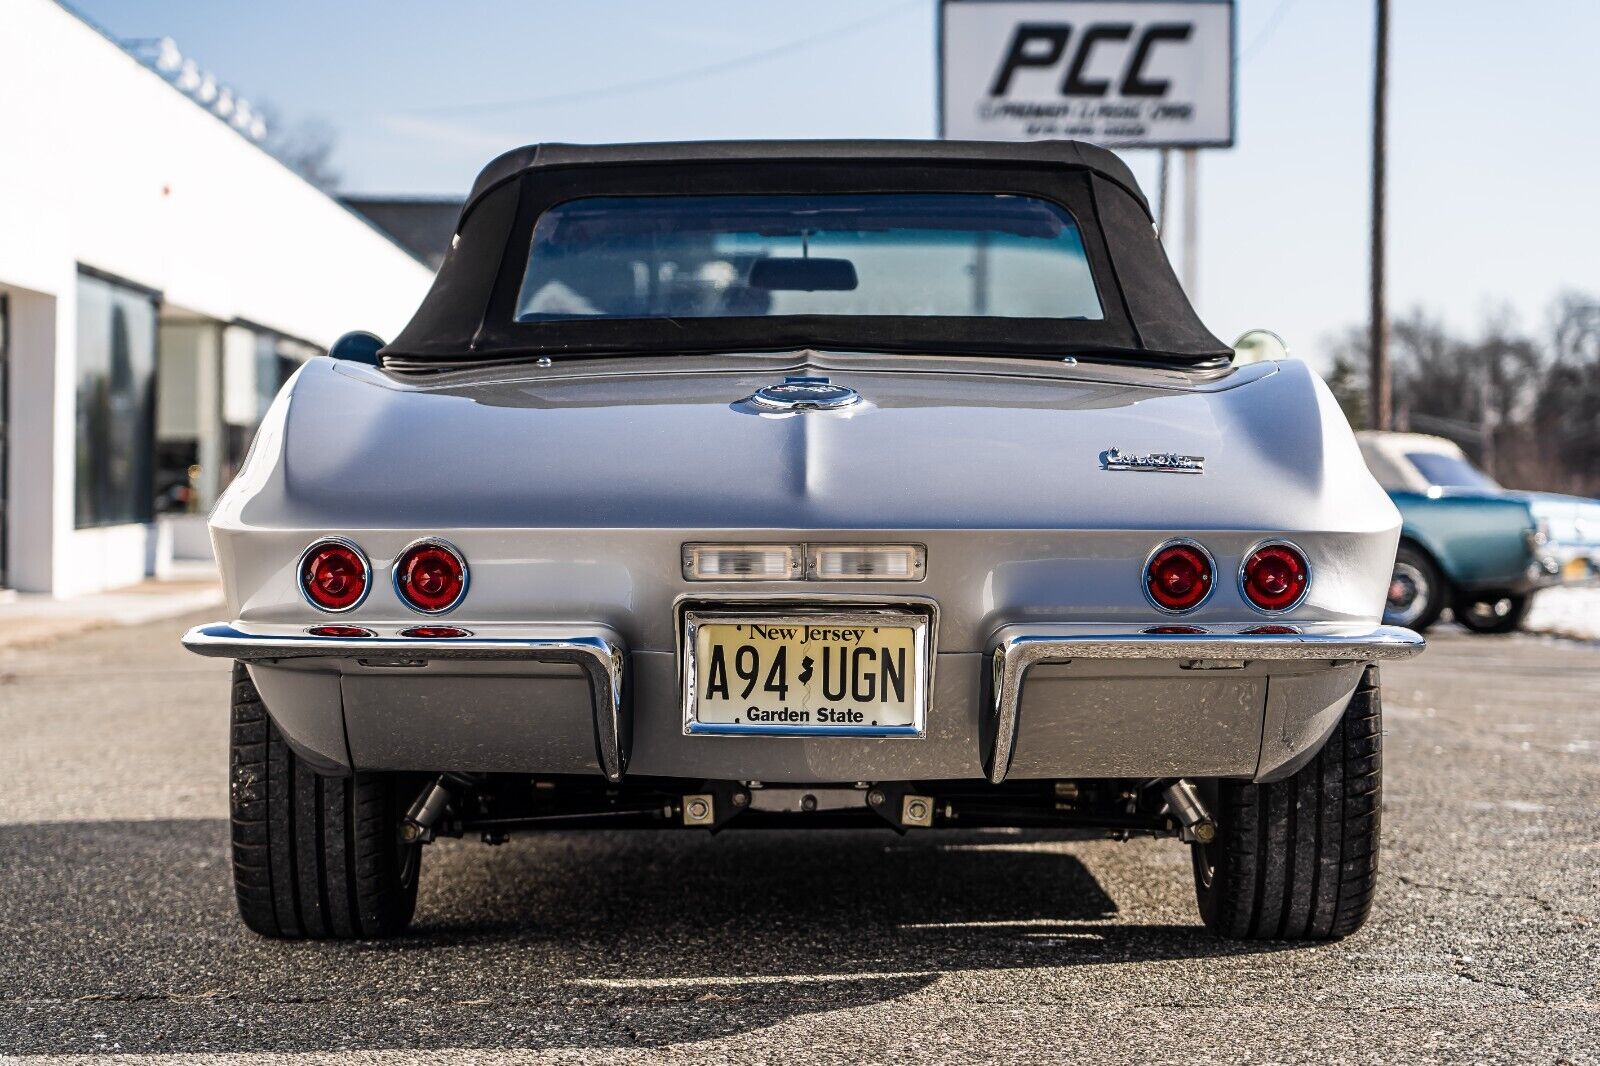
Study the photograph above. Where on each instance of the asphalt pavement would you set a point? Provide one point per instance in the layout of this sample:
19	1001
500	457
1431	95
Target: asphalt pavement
117	930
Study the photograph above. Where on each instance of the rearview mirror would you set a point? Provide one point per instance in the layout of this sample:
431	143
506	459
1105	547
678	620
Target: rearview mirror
793	274
1259	346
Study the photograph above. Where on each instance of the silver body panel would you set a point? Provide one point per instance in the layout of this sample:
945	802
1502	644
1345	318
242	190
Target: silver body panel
572	489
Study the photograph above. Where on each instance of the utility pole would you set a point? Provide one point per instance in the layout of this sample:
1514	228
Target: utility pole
1163	190
1191	223
1487	420
1380	400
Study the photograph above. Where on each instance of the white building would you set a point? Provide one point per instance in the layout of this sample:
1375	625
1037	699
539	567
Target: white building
159	275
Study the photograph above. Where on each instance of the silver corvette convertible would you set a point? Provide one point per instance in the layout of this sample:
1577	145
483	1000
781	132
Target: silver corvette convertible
733	485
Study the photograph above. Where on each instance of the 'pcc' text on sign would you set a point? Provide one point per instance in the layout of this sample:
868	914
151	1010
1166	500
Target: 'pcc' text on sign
1126	73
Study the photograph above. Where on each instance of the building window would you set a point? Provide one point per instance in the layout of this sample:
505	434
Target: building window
116	403
276	361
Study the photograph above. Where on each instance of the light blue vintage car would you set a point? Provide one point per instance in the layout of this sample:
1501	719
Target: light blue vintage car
1470	545
805	484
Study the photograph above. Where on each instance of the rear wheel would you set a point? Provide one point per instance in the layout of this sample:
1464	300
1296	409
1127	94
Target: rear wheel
314	857
1416	590
1298	859
1493	614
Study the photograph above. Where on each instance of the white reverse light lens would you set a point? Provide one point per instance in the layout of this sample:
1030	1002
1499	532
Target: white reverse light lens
742	562
867	562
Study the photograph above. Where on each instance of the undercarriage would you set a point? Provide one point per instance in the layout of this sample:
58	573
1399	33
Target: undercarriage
497	805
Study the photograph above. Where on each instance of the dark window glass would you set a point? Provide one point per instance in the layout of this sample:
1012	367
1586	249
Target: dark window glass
274	361
1450	472
909	254
116	403
273	368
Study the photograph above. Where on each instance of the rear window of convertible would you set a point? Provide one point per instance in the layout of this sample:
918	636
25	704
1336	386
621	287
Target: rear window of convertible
960	255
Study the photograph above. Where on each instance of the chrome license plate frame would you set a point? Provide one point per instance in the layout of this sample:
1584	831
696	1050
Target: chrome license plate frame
918	675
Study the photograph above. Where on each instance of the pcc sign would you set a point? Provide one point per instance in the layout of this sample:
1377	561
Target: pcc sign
1122	73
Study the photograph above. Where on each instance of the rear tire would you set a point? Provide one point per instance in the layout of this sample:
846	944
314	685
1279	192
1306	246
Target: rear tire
314	857
1417	591
1493	614
1298	859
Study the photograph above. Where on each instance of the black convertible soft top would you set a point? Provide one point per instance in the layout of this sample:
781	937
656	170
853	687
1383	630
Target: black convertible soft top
468	316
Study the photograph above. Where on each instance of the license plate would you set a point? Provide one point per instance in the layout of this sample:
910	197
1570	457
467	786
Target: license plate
841	675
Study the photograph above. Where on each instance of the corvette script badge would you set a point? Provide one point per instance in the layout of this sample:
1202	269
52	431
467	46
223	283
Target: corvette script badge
1157	462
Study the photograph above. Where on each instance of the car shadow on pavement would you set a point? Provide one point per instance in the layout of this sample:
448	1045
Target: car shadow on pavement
124	935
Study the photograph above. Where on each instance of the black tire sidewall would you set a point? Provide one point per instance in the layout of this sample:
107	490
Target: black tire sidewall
1297	858
1510	622
1439	593
314	857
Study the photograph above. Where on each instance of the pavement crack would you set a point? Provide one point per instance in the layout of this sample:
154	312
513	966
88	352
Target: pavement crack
1479	979
1485	893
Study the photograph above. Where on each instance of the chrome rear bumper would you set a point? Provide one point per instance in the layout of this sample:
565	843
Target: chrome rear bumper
598	653
1018	648
1109	701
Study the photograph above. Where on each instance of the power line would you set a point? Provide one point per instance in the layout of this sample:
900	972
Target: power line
675	77
1267	30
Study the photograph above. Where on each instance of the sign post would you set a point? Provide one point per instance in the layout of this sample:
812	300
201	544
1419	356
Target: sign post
1120	73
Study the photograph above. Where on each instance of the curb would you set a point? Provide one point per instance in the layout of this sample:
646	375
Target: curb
29	621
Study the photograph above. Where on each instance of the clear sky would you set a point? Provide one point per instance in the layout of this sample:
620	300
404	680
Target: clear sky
1495	121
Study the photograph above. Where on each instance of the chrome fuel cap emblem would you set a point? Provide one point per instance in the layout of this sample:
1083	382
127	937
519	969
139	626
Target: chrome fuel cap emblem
806	393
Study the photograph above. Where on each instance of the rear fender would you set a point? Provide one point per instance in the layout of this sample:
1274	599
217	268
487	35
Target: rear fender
1476	541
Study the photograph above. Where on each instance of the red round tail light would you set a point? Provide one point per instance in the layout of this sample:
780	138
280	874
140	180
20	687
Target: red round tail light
1275	577
431	576
334	575
1178	576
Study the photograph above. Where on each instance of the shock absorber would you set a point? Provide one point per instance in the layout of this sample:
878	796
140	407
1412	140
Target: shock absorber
1184	804
421	823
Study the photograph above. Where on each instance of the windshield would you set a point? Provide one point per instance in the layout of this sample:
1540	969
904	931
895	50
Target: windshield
959	255
1450	472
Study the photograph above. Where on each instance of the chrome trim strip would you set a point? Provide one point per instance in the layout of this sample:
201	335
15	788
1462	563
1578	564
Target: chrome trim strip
433	542
803	602
1017	649
366	574
1172	542
702	729
1274	542
602	660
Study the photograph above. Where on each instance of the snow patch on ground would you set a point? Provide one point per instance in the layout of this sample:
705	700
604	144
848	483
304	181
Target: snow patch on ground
1566	612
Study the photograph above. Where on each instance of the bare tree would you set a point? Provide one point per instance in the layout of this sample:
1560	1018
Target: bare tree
1567	413
1348	377
305	147
1525	407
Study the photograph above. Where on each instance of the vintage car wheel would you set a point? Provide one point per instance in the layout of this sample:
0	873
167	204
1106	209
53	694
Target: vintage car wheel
1416	591
314	857
1493	614
1298	859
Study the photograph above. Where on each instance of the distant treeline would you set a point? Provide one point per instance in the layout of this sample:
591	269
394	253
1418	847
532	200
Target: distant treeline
1525	406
